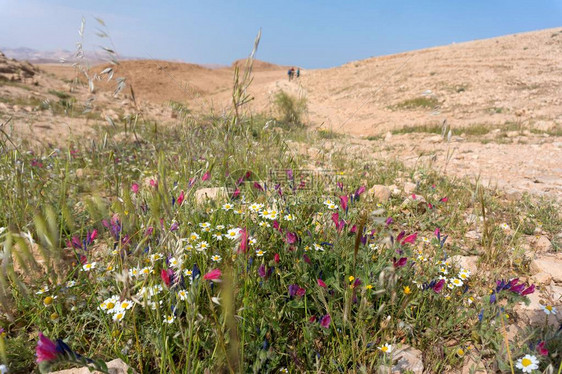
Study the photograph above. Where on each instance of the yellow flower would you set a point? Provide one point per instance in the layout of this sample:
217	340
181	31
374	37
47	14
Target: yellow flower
460	352
54	317
351	278
48	301
369	286
407	290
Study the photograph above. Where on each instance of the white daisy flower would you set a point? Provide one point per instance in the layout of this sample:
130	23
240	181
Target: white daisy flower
386	348
169	319
527	364
182	294
548	309
89	266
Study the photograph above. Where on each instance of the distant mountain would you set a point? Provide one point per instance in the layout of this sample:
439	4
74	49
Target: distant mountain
42	57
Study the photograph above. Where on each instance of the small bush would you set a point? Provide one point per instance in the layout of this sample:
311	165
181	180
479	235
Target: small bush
289	108
417	103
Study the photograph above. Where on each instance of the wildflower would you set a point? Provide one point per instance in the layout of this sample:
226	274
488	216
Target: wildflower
351	278
289	217
42	290
227	207
169	319
213	275
464	274
46	349
321	283
261	271
89	266
135	187
410	239
460	352
386	348
202	246
291	237
260	253
456	282
218	236
255	207
407	290
204	225
369	287
284	370
325	321
181	197
343	201
504	226
296	290
318	247
48	301
400	262
119	315
216	258
276	258
174	262
548	309
438	286
193	237
182	294
234	234
125	304
264	224
167	276
54	317
206	176
527	363
541	349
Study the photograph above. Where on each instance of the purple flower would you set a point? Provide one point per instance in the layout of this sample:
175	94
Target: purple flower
174	226
291	237
325	321
261	271
439	285
400	262
296	290
389	221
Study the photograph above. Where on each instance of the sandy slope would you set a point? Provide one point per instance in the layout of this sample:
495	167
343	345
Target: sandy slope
515	78
511	78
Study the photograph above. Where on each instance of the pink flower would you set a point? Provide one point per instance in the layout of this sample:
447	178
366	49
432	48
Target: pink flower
236	193
444	200
93	235
359	191
258	186
213	274
135	187
541	349
529	290
312	319
153	183
243	240
46	349
439	285
410	238
400	262
306	258
291	237
167	276
325	321
181	197
206	176
276	258
321	283
343	201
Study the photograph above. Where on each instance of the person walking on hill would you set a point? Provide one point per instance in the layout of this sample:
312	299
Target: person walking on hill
298	72
290	73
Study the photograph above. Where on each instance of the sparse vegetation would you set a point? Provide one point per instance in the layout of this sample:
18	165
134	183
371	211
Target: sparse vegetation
290	109
417	103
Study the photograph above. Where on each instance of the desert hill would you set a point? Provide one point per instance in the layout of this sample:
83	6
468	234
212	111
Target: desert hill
514	78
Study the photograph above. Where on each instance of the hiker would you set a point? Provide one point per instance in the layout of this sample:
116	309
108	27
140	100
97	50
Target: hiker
290	74
298	72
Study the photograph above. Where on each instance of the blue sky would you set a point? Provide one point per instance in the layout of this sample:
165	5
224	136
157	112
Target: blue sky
309	33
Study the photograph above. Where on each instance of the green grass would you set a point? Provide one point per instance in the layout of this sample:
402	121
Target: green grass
416	103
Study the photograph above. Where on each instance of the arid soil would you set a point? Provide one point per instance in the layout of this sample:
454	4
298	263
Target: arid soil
511	85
